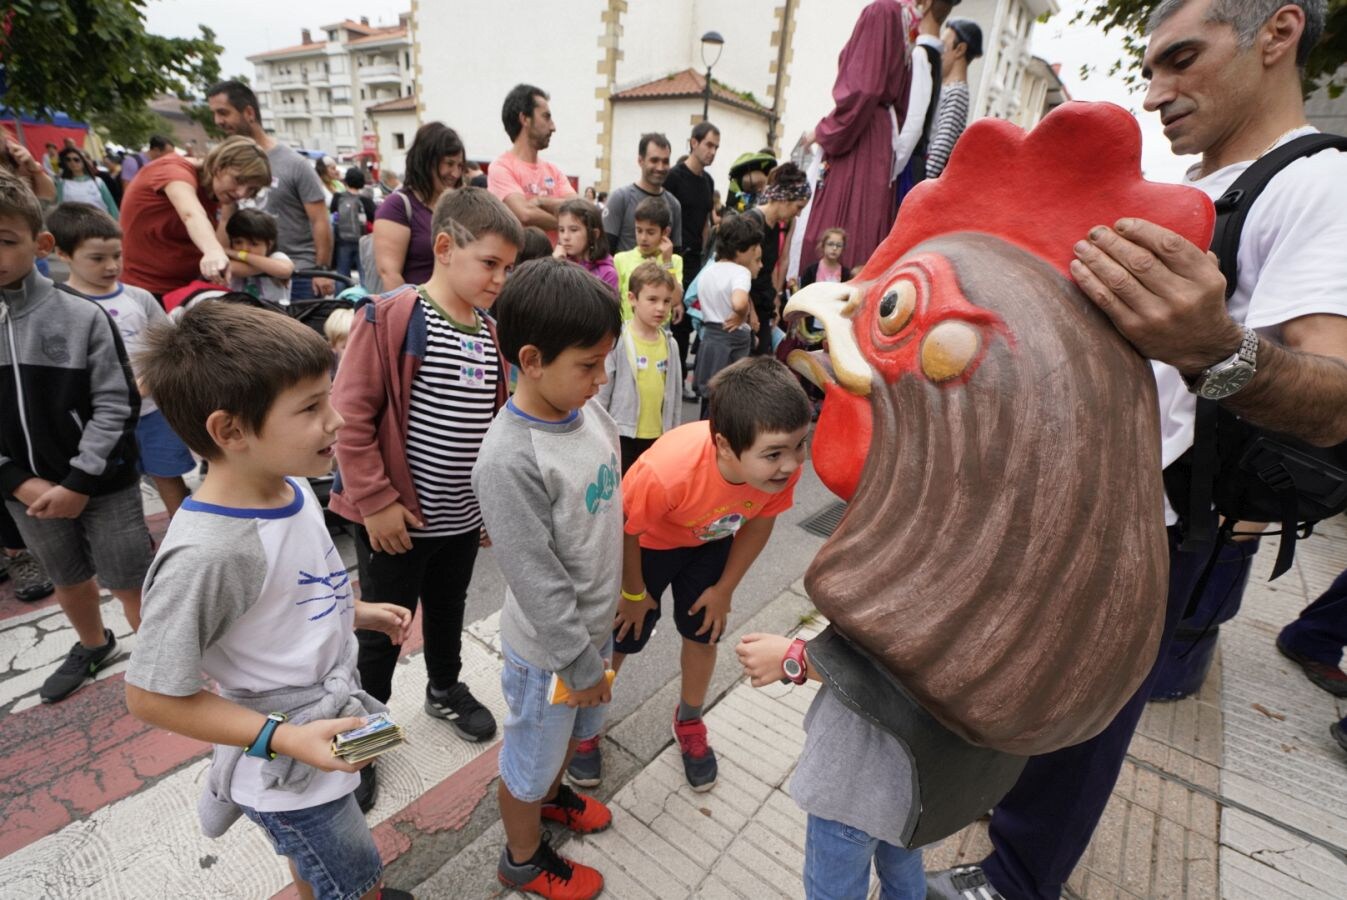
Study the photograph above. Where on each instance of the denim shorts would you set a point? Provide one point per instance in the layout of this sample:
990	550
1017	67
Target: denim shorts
330	845
108	539
537	732
162	452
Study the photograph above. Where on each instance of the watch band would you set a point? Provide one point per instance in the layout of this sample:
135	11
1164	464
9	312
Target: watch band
261	745
793	666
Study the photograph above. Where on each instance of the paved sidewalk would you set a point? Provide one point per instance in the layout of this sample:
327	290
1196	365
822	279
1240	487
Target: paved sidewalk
1238	792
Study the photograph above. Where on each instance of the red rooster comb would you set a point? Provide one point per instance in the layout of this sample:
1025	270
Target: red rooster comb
1044	190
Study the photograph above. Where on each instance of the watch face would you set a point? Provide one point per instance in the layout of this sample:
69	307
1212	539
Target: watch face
791	667
1221	384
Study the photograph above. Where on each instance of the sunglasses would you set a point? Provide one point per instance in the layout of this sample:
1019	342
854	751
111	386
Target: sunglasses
838	244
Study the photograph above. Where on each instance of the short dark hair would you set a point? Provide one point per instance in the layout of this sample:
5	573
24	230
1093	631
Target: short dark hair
756	396
17	199
252	225
433	142
160	142
737	234
521	101
354	178
554	305
654	210
1247	17
239	95
652	137
74	223
536	245
648	273
468	213
702	129
227	356
966	32
589	216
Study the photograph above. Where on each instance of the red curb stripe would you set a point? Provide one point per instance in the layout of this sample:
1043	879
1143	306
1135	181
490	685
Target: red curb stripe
78	756
445	807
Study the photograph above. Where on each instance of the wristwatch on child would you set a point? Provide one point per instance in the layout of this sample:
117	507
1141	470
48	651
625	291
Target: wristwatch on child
261	745
793	665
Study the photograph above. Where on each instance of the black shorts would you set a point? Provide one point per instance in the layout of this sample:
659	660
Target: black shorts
690	570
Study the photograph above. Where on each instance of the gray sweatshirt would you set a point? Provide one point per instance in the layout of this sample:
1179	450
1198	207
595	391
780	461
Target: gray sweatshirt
551	499
619	395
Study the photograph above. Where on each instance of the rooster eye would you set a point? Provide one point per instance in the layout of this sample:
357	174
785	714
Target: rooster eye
896	307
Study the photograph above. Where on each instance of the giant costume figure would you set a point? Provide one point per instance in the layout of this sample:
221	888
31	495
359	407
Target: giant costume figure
857	190
997	585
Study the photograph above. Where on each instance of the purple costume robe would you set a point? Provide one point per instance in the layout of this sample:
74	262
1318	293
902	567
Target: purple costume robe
873	74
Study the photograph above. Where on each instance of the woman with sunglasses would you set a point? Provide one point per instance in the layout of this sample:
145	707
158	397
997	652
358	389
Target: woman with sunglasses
78	182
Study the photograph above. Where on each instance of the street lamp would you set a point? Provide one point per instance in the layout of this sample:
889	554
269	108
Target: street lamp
714	40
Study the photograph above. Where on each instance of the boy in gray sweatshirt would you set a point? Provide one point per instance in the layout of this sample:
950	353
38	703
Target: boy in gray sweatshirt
547	479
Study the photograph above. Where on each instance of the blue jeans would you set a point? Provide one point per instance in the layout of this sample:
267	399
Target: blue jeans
330	845
837	861
538	733
346	257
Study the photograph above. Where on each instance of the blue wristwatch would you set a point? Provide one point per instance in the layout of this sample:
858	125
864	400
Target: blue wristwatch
261	745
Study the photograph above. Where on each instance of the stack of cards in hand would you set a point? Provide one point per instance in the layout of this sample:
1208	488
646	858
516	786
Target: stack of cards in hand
378	735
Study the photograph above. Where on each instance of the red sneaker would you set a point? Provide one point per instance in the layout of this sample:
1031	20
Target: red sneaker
699	760
550	875
578	812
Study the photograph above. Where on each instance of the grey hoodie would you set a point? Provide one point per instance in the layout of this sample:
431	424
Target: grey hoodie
619	395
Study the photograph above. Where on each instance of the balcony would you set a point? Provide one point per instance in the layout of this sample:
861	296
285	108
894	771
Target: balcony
384	73
289	81
293	112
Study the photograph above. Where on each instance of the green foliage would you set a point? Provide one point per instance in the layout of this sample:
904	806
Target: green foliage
94	60
1325	66
131	126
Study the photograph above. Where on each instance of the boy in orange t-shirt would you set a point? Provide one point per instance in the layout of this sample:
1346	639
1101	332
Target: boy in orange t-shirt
699	507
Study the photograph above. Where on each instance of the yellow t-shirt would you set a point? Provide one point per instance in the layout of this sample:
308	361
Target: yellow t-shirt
626	262
652	365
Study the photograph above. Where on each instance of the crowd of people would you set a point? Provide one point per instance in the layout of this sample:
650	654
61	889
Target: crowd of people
516	380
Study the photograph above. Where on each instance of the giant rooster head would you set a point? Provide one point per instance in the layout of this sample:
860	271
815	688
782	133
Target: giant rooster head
1003	553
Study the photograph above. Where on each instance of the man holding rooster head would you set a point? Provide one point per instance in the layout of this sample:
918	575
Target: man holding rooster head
1225	80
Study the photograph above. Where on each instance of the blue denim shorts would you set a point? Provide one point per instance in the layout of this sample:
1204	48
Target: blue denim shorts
537	732
330	845
162	452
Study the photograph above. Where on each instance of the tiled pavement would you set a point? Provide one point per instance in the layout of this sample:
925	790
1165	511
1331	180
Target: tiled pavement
1235	793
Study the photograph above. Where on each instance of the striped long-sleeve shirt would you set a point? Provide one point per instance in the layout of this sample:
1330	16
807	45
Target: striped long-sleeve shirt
950	119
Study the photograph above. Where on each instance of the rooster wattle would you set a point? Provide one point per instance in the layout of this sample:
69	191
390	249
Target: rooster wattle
1003	554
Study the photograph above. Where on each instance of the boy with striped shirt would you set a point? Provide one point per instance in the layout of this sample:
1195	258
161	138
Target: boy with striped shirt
420	381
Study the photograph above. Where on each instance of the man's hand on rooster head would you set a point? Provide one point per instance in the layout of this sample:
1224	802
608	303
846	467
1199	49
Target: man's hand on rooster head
1161	291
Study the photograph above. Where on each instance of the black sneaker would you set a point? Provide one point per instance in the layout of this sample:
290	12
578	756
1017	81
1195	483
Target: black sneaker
81	664
460	709
549	875
364	792
30	580
388	893
960	883
699	760
586	766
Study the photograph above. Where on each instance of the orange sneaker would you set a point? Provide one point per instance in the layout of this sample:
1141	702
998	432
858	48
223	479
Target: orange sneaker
578	812
550	875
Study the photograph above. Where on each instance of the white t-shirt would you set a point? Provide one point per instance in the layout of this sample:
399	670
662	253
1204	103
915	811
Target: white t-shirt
715	289
1292	263
133	310
257	600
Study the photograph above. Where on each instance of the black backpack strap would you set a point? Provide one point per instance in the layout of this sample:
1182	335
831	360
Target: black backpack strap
1232	209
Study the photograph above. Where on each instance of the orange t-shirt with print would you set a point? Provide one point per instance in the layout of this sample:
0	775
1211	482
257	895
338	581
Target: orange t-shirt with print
674	494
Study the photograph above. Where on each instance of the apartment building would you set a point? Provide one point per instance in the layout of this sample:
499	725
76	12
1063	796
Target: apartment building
317	93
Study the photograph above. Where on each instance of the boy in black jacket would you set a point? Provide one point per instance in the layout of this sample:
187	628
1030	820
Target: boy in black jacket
68	463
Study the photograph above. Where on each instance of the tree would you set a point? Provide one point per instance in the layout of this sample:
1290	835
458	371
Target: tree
1324	69
94	60
132	127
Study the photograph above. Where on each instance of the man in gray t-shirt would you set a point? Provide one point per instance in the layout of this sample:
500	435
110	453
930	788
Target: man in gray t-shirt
619	214
295	198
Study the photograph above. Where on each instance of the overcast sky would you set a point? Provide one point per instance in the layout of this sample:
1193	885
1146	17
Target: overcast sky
246	27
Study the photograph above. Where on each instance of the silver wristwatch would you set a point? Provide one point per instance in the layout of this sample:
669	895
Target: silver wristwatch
1229	375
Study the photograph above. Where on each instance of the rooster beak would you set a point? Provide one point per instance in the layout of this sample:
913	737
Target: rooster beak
834	305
